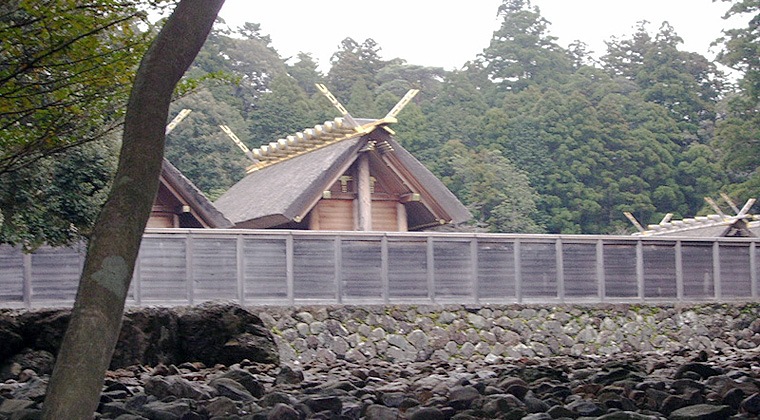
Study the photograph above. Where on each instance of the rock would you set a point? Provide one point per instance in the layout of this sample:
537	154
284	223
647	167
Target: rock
148	336
33	389
231	389
130	417
214	333
10	406
751	404
393	399
319	404
517	389
283	412
27	414
733	398
701	412
245	378
10	336
672	403
460	397
288	375
158	410
176	386
259	347
418	339
380	412
559	411
627	415
113	408
704	371
537	416
276	397
585	408
220	407
44	329
427	413
535	405
611	376
39	361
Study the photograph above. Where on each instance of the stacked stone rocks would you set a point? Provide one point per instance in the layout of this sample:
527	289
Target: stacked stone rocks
452	362
696	386
417	333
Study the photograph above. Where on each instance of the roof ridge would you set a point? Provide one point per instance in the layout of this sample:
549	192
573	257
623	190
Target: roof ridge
308	140
693	223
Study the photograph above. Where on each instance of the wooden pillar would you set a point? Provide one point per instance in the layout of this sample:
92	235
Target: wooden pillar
314	218
364	196
403	226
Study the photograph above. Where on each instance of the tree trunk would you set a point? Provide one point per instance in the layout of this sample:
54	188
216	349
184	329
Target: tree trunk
87	348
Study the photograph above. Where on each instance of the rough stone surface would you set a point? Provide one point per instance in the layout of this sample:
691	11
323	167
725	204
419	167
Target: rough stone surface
452	362
210	333
214	333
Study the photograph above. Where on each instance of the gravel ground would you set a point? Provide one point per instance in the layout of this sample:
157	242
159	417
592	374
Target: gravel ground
723	384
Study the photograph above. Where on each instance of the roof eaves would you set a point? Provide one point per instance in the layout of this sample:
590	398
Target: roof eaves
194	196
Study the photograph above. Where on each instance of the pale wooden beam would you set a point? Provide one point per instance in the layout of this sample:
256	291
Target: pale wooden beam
715	207
633	221
364	195
314	218
730	202
401	221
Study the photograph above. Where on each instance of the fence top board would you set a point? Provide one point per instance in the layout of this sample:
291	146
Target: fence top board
523	237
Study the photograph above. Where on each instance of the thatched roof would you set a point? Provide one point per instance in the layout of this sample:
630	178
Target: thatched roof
189	193
285	188
711	226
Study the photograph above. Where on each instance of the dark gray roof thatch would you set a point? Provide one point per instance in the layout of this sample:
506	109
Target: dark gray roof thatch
202	206
279	193
456	211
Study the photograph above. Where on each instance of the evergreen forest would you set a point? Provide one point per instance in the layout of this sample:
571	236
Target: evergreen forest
533	137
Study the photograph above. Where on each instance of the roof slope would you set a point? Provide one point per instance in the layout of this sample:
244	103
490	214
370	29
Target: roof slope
279	193
457	212
194	197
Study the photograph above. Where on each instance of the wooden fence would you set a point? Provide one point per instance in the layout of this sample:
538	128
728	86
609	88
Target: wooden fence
187	266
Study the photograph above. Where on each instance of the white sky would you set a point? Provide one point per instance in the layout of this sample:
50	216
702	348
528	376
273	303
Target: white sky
446	33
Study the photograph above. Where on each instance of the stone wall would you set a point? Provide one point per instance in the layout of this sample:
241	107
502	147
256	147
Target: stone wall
417	333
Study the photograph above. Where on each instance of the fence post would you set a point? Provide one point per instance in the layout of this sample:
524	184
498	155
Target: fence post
430	269
289	272
189	269
560	269
385	283
27	289
601	290
474	269
240	268
717	286
640	269
338	252
679	271
753	268
518	271
137	279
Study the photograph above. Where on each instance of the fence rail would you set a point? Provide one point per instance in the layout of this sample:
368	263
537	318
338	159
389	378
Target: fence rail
178	267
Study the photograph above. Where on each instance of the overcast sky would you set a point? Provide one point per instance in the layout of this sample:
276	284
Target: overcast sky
446	33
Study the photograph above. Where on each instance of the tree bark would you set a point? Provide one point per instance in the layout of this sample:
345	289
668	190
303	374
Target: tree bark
87	347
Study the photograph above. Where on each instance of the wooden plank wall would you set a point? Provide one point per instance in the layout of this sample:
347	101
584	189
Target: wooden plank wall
187	266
